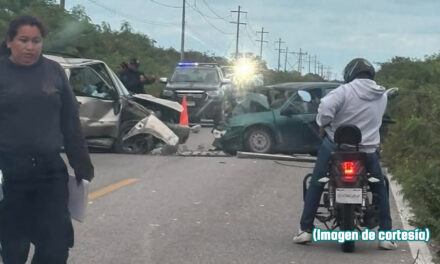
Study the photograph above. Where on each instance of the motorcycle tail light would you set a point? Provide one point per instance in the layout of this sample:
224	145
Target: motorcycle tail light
349	169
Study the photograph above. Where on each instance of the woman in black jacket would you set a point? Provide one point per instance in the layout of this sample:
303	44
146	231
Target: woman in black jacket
38	115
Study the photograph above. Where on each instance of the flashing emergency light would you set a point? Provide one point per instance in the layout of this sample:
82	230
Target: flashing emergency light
187	64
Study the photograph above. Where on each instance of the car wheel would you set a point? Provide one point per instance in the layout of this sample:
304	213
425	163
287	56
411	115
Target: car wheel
138	144
259	140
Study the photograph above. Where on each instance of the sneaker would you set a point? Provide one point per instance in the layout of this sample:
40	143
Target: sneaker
303	237
387	245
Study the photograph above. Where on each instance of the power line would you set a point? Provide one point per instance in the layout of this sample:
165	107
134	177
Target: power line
310	61
249	35
249	23
285	59
229	46
207	21
217	16
291	66
162	4
129	17
250	38
252	35
197	36
300	59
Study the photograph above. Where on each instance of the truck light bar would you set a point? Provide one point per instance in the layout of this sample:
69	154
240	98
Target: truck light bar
187	64
192	64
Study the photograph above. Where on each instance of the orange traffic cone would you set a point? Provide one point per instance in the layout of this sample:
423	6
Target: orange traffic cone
184	114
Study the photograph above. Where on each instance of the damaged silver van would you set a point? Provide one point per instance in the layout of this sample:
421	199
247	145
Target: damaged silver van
114	119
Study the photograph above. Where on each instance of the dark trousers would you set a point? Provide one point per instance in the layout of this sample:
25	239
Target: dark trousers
34	209
314	192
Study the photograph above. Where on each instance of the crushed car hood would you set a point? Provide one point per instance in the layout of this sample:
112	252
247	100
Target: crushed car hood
252	103
168	103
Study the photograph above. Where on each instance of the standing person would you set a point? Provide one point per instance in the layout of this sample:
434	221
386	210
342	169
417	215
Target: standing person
359	102
133	79
38	115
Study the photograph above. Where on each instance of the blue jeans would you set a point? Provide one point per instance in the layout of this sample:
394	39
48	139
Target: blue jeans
314	192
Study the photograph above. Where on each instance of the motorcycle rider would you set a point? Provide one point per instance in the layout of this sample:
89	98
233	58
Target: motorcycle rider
361	102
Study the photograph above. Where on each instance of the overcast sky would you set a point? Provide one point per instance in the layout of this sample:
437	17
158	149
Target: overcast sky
335	31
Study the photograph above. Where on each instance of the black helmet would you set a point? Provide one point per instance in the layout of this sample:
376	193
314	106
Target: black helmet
358	67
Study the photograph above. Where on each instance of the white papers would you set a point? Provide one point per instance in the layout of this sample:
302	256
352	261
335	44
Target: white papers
78	198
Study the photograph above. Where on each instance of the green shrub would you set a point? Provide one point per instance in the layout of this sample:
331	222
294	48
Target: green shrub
412	147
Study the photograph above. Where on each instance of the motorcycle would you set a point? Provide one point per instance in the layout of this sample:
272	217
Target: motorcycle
349	202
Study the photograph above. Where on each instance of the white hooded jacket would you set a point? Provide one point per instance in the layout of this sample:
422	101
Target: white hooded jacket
362	103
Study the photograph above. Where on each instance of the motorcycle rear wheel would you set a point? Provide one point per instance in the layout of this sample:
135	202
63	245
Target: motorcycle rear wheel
347	224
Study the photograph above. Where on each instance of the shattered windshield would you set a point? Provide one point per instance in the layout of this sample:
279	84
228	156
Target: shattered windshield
252	103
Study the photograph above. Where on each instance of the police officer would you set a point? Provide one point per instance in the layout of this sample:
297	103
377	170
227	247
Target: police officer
38	115
133	79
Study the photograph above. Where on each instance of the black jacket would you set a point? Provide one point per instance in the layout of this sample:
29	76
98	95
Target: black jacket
132	81
39	114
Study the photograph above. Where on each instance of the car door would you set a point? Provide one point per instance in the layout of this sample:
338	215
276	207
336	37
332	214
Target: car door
298	131
97	98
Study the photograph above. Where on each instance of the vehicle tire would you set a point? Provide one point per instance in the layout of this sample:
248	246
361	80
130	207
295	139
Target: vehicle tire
259	140
138	144
347	224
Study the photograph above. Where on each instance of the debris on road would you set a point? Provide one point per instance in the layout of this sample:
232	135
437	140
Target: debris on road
299	158
197	153
196	128
165	150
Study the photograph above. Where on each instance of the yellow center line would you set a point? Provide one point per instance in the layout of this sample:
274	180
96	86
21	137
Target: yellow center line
111	188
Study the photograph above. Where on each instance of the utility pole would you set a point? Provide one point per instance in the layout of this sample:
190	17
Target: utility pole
279	52
238	28
316	61
329	73
300	55
261	41
63	4
182	40
310	61
319	69
285	58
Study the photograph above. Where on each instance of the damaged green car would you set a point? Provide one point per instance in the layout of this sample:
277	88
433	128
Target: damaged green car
274	120
277	120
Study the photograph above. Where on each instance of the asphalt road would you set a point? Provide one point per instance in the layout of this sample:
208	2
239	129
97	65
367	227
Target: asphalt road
205	210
